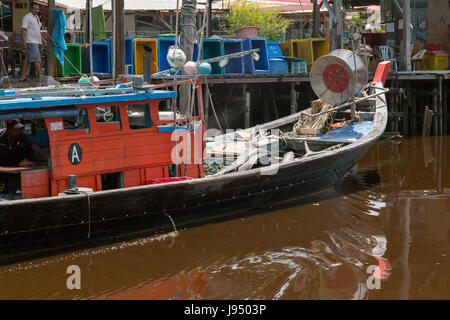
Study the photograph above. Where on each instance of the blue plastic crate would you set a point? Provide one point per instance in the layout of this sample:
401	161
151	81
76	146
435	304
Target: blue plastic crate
251	65
129	54
274	49
279	66
129	58
234	65
212	48
100	65
164	44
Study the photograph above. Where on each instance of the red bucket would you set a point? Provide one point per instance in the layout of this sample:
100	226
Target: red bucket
247	32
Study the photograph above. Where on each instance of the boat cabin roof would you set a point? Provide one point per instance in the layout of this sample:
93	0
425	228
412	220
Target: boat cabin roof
11	103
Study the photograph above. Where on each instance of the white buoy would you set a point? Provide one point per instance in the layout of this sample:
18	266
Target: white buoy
190	68
176	57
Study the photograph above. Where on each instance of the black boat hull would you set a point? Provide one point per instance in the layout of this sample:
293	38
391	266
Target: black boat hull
37	226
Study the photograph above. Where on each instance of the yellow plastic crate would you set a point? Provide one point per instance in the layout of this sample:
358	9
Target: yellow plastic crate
139	51
321	47
437	60
308	49
299	48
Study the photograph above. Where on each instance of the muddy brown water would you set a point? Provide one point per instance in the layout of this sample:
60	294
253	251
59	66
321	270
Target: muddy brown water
381	233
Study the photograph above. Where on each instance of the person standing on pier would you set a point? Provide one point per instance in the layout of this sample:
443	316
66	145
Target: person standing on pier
31	39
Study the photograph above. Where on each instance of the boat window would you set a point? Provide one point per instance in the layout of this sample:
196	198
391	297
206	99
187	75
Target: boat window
139	116
107	114
80	122
112	181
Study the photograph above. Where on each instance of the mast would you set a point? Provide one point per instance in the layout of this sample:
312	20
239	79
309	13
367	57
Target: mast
188	28
114	22
119	43
89	30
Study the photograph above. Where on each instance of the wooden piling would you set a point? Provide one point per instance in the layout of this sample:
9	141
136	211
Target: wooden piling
427	119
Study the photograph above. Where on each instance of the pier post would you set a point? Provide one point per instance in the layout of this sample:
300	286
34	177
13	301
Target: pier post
120	37
50	54
427	119
441	109
247	109
405	48
293	98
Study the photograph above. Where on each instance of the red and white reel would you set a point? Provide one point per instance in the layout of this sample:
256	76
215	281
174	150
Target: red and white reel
338	76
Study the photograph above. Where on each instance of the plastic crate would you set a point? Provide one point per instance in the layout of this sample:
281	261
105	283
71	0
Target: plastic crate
72	54
139	52
164	44
274	49
251	65
320	46
279	66
234	65
298	67
436	60
212	48
101	61
129	59
299	48
129	54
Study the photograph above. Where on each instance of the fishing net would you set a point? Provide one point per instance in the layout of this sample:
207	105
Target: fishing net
307	125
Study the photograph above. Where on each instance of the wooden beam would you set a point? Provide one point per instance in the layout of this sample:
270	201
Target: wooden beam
164	21
120	36
316	19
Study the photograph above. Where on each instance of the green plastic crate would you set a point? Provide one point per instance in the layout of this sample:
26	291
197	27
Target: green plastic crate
298	67
72	54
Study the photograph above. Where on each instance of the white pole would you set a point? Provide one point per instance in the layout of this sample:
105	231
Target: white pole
114	35
90	38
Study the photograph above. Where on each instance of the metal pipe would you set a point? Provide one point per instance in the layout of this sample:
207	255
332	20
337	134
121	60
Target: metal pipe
113	67
91	66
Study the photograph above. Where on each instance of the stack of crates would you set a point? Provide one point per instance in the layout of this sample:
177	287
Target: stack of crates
212	48
72	61
234	65
251	65
278	64
308	49
139	52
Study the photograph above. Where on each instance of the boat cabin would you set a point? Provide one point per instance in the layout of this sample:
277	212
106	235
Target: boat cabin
109	141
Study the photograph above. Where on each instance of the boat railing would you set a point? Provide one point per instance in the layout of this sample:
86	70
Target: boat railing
354	101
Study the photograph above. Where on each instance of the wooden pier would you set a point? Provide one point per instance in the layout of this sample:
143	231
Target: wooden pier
245	100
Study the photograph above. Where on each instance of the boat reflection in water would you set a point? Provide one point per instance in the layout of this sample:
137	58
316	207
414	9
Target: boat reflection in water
391	213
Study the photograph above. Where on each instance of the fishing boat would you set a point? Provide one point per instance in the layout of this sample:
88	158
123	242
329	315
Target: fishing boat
118	144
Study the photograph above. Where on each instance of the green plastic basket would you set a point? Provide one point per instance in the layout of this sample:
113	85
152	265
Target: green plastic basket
73	54
298	67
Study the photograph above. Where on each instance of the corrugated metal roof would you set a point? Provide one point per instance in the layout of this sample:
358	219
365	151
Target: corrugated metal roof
129	4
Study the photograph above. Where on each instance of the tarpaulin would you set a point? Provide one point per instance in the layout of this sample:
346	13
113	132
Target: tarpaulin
59	28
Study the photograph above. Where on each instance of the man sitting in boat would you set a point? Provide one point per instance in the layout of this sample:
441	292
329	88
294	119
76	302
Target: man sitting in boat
16	148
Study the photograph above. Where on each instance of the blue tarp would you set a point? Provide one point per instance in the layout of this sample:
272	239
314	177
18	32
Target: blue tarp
348	133
59	28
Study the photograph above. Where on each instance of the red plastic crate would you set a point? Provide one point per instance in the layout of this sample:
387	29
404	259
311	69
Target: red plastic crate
433	47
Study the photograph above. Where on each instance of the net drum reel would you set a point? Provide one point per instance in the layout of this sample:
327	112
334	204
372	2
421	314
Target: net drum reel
338	76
